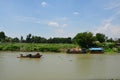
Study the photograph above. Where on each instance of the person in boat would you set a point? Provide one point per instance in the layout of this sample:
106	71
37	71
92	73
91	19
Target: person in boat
29	55
21	55
37	55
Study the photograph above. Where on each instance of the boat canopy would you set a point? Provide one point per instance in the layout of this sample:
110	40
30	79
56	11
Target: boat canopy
96	49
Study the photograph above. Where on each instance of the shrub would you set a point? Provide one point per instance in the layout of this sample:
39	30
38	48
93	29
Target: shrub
11	48
119	49
35	47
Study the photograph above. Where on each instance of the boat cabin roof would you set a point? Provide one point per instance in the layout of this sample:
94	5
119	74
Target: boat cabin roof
96	49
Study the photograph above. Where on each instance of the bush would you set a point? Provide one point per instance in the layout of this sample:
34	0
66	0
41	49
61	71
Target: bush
109	45
1	47
35	47
119	49
11	48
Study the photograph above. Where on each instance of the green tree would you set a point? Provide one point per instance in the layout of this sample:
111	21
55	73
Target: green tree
117	40
110	40
100	37
21	39
28	39
59	40
85	39
2	36
38	39
15	40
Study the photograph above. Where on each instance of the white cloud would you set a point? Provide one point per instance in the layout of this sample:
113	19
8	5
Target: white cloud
57	24
64	33
54	24
109	29
44	4
76	13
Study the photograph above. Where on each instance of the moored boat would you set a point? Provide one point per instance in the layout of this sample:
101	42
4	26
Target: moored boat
30	56
76	50
96	50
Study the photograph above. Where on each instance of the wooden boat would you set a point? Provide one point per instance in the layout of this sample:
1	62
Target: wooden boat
76	51
73	51
30	56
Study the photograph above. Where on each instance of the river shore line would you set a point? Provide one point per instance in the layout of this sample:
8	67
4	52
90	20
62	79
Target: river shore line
32	47
42	47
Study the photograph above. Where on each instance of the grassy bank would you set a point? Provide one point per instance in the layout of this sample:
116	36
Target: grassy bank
35	47
32	47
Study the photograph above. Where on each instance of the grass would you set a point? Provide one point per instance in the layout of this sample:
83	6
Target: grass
35	47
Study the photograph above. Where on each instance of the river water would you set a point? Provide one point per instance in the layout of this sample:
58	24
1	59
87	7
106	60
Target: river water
59	66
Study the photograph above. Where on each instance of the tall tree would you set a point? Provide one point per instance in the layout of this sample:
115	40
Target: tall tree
84	39
100	37
118	40
21	39
2	36
28	38
15	40
110	40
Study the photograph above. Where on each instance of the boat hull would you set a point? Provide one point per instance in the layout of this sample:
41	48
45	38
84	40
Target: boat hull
30	56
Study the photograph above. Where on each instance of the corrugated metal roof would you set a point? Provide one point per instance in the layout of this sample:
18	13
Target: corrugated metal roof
96	49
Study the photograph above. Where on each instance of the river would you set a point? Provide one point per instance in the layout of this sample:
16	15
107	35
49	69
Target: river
59	66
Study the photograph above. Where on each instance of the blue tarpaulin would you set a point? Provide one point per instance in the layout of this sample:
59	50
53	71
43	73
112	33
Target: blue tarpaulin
96	49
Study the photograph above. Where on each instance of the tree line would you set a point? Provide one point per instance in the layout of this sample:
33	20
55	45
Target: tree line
87	40
83	39
33	39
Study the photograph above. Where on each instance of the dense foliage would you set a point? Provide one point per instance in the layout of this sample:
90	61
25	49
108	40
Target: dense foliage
100	37
2	36
33	39
85	39
35	43
35	47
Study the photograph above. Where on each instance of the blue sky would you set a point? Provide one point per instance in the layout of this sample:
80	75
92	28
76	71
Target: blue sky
59	18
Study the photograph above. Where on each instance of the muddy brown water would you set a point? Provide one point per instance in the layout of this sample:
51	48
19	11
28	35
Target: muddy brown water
59	66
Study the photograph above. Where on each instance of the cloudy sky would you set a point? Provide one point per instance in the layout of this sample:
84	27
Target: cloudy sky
59	18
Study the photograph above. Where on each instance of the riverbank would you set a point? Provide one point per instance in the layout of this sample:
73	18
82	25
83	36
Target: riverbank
34	47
